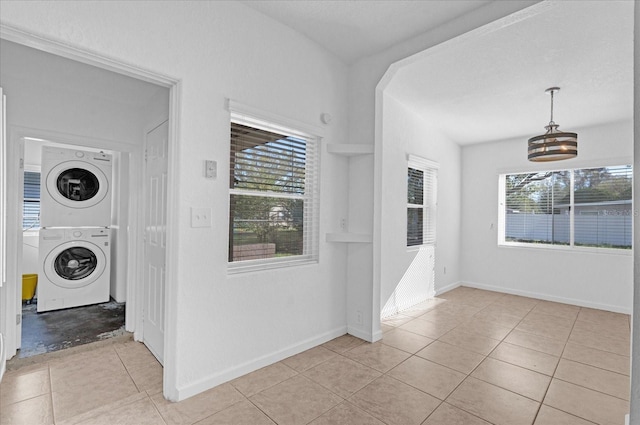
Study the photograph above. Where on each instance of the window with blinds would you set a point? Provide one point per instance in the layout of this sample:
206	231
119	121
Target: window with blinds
421	202
273	218
31	201
590	207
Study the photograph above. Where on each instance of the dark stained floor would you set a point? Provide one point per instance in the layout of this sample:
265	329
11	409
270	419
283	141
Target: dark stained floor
59	329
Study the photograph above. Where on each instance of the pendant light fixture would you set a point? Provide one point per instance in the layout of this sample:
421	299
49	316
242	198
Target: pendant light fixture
554	145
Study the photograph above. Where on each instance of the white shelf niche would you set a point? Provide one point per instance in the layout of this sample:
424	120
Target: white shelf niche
349	237
350	149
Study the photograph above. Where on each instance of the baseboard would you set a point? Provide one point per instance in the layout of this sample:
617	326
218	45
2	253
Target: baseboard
447	288
253	365
369	337
547	297
3	358
407	304
377	336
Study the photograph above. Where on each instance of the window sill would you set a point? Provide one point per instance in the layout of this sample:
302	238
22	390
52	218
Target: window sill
248	266
414	248
566	248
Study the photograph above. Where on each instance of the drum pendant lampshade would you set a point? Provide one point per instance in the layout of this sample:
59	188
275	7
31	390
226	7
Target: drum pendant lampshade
554	145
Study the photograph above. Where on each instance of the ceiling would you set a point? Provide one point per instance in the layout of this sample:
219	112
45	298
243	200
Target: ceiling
353	29
486	87
490	86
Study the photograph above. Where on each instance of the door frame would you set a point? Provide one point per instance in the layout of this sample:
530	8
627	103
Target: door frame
134	291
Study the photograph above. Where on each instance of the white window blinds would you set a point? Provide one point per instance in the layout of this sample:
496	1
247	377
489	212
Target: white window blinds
421	201
273	195
31	201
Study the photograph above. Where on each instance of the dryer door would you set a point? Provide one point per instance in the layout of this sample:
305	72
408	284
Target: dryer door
77	184
75	264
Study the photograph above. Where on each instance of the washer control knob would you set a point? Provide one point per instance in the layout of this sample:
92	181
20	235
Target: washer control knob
80	154
77	234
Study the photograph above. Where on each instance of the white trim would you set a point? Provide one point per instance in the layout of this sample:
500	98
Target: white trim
233	372
571	246
546	297
3	356
266	194
421	162
246	115
83	55
448	288
364	335
253	115
170	375
566	248
245	266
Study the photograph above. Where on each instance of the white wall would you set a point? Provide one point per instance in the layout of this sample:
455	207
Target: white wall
226	325
30	244
404	274
595	279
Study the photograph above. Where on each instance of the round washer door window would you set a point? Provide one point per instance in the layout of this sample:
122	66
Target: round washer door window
77	184
75	264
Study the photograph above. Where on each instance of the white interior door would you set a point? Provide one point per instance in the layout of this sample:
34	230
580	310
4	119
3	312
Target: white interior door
11	191
155	224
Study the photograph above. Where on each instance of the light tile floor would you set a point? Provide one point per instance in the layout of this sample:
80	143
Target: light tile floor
468	357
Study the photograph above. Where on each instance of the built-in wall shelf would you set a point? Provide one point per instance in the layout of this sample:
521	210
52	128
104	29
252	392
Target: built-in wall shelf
350	149
349	237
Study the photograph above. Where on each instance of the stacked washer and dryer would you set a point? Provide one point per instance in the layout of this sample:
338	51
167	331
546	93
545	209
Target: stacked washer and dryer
75	220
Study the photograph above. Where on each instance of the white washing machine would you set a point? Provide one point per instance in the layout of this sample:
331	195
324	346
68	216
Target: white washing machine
75	188
74	267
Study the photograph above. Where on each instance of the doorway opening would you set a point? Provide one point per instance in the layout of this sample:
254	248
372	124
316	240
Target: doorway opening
86	103
92	299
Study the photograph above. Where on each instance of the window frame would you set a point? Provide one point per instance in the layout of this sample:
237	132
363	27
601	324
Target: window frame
252	117
429	204
571	246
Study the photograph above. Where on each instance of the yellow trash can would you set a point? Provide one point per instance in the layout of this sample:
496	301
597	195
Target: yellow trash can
29	283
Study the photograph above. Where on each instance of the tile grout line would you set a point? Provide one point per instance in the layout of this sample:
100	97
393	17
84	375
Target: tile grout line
468	374
473	370
486	357
553	376
559	357
53	412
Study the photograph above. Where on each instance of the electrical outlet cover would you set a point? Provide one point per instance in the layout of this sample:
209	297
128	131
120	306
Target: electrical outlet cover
200	217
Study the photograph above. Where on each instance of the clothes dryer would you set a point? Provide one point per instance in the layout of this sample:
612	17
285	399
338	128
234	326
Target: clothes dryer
75	188
74	267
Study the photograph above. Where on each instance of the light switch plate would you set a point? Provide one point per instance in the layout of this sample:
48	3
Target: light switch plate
200	217
210	169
